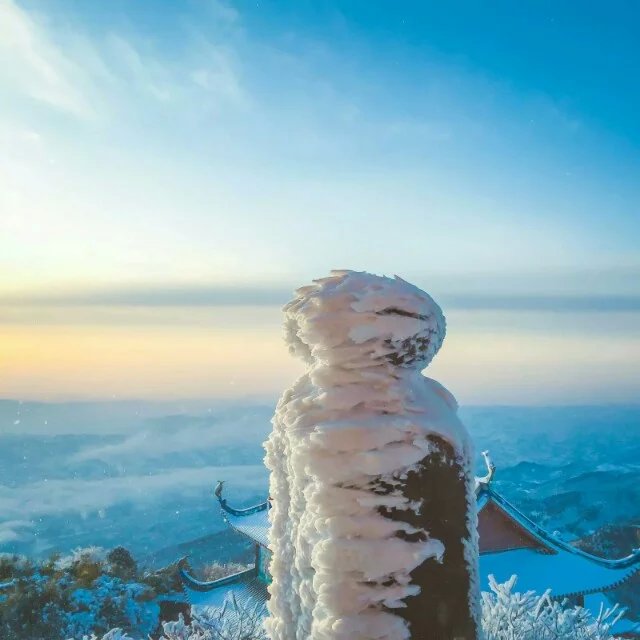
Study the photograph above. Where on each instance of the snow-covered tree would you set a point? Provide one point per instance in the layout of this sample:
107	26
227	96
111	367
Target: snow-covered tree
373	517
114	634
509	615
86	592
234	621
506	615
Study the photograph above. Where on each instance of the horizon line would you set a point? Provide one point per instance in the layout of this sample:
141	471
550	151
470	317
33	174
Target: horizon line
224	296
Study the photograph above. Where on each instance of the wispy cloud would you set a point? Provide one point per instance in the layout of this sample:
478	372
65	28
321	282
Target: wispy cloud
68	496
33	65
11	530
205	71
146	73
100	75
184	433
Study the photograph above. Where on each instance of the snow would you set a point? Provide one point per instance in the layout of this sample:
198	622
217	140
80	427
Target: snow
359	415
234	620
114	634
508	614
597	602
88	605
93	554
246	589
565	573
255	525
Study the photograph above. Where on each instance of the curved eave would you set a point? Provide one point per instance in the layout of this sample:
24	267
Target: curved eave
262	506
565	574
194	584
244	591
252	522
485	495
609	587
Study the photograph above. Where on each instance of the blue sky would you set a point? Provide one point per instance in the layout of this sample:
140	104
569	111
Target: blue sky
491	155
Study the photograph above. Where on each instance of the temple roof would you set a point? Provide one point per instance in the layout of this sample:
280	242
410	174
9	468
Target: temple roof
247	588
252	522
565	573
551	564
553	544
555	564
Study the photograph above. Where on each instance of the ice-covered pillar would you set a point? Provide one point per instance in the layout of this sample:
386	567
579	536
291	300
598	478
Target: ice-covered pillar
373	519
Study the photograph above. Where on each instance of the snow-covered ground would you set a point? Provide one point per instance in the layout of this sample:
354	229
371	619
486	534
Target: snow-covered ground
506	615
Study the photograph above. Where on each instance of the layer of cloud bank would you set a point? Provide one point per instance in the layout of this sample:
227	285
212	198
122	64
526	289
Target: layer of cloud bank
182	433
553	290
48	497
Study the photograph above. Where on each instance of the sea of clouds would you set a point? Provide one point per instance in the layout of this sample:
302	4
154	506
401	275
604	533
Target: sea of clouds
142	474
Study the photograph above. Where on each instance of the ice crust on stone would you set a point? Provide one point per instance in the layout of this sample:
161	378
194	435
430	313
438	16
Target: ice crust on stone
360	413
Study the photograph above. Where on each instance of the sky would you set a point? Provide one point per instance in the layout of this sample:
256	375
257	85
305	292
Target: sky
170	171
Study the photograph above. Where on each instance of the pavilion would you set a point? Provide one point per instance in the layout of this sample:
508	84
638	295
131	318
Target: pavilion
510	543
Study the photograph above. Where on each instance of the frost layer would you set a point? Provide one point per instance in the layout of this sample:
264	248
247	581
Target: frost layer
356	422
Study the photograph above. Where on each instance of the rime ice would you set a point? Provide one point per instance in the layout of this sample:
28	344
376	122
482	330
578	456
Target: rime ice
348	438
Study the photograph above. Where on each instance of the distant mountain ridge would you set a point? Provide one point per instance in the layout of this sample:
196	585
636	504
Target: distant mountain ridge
573	469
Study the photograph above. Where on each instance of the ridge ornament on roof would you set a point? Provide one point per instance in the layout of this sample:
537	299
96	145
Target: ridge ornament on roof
485	481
